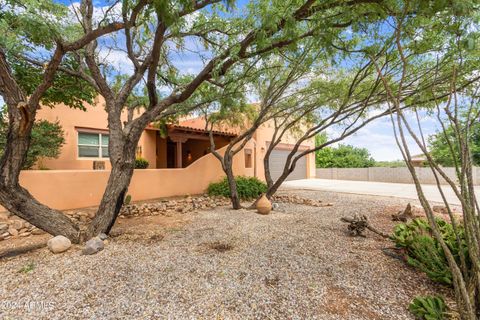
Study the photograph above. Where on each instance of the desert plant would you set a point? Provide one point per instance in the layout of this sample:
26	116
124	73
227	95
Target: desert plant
425	252
459	109
29	267
247	187
127	200
141	163
428	308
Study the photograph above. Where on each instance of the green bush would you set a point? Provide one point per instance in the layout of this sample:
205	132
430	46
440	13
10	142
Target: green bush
428	308
424	251
247	187
141	163
127	200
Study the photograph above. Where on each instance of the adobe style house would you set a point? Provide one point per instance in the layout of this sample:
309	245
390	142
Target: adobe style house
86	147
180	161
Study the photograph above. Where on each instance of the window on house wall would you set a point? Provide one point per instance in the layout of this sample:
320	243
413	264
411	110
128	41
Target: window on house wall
248	158
92	145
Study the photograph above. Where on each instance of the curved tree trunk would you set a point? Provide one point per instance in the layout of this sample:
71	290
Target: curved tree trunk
272	187
227	167
14	197
112	201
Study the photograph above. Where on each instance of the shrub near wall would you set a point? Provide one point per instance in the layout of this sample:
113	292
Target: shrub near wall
248	188
141	163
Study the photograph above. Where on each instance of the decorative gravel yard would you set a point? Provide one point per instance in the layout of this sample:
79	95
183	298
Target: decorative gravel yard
296	263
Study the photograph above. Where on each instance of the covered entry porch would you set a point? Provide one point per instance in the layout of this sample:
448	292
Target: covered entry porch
181	146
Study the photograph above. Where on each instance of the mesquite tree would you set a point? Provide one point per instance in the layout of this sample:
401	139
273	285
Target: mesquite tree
28	27
364	98
230	39
452	53
272	81
149	32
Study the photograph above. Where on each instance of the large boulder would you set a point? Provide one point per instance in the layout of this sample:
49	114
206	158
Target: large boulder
59	244
93	246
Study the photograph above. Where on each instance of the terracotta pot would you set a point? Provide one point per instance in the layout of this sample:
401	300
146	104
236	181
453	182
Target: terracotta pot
264	206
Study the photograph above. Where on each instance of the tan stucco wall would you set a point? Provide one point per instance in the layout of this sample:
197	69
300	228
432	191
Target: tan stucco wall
148	142
70	189
263	136
95	117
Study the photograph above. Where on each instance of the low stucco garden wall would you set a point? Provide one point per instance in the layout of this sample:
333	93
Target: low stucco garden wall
71	189
381	174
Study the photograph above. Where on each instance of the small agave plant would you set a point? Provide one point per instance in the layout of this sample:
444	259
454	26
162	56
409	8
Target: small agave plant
429	308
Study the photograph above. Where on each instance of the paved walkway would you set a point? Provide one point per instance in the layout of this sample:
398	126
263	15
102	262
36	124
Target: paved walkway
399	190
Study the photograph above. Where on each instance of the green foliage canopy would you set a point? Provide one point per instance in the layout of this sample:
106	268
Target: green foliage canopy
47	140
443	155
343	156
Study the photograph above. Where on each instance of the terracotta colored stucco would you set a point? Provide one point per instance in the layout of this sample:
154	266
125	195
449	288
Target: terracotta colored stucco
71	182
69	189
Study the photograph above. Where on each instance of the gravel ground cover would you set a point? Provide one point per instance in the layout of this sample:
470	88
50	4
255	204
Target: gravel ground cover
297	263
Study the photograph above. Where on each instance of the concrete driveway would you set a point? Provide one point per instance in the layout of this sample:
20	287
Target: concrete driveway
399	190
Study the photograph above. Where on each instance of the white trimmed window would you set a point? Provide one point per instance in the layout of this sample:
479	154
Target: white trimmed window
92	145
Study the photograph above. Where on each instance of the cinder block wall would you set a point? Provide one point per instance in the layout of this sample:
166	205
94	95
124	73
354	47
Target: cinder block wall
395	175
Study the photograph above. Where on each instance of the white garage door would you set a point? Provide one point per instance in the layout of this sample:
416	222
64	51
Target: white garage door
277	163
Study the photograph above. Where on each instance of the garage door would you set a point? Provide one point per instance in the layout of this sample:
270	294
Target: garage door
277	163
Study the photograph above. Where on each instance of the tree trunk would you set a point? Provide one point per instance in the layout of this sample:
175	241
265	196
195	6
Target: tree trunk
274	187
115	191
17	199
227	167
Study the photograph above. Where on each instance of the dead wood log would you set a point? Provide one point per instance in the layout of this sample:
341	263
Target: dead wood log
358	224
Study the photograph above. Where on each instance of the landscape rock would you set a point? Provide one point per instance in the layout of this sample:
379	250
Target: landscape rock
16	224
4	215
37	231
440	209
93	246
3	227
166	207
295	199
102	236
59	244
13	232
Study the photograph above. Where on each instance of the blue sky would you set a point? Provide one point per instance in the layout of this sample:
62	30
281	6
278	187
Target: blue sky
377	137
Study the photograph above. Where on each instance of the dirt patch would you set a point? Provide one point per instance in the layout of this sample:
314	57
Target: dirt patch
143	228
272	282
16	246
220	246
342	303
148	228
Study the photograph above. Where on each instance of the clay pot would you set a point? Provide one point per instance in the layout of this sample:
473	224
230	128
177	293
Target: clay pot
264	206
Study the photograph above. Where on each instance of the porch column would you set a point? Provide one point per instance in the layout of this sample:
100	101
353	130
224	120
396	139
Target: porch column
179	155
178	139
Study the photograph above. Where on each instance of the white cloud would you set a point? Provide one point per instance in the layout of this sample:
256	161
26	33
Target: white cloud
379	139
99	12
117	59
